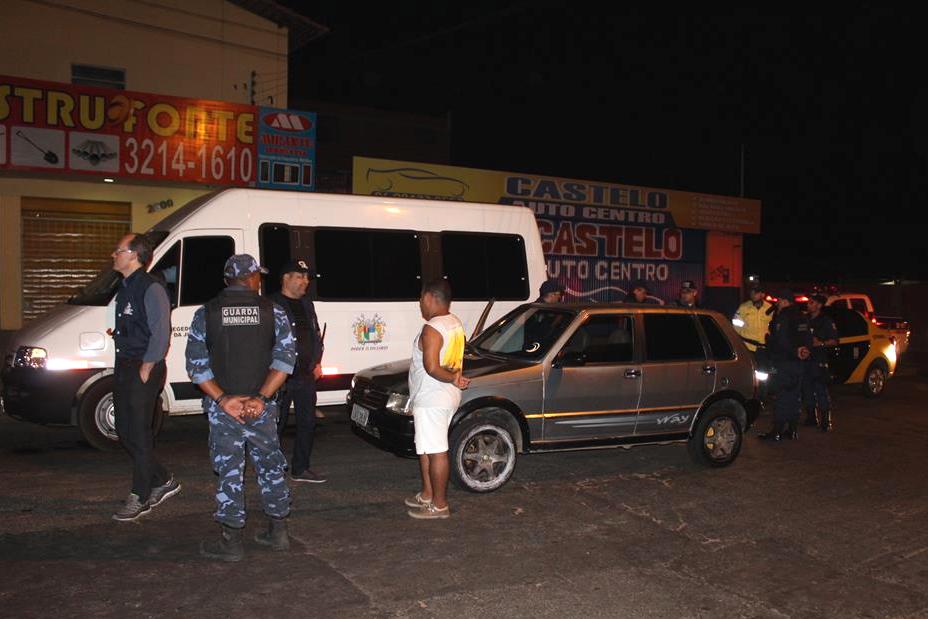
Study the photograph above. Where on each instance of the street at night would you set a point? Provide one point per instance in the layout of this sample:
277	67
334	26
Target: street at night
831	525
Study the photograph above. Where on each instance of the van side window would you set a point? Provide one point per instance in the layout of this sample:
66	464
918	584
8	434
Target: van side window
672	337
485	266
718	343
274	245
166	270
371	265
201	272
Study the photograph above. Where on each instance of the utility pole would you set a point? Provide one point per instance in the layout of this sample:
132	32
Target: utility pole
253	83
741	194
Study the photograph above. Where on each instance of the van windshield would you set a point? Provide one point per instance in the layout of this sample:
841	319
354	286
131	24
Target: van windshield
101	289
526	333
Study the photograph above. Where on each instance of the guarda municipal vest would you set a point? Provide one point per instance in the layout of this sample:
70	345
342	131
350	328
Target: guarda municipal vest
240	338
132	333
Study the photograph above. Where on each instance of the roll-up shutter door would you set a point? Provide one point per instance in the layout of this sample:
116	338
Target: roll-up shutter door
65	245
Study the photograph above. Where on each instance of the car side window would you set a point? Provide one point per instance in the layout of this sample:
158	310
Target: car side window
672	337
165	270
849	323
859	305
718	343
604	339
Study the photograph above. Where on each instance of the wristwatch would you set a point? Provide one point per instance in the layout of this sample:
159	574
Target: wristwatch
267	401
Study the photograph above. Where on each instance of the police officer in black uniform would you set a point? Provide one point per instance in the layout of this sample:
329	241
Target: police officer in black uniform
788	346
687	296
300	388
815	396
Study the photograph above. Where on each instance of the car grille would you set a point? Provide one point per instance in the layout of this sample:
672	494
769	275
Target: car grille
368	395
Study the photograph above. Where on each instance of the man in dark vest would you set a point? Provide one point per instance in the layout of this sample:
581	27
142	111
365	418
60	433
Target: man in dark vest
141	336
789	346
240	351
300	388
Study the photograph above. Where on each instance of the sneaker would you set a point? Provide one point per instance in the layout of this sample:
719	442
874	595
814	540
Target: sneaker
132	509
430	512
309	477
416	501
164	491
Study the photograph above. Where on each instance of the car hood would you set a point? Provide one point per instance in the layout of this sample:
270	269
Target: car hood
394	376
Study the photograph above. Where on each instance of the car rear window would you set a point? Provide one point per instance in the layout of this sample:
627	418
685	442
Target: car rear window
672	337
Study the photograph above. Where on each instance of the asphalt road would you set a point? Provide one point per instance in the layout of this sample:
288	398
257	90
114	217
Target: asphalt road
828	526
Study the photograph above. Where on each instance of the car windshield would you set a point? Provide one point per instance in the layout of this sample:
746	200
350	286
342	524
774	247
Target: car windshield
526	333
100	291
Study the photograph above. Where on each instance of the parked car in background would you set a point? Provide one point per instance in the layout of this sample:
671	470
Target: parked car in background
578	376
866	353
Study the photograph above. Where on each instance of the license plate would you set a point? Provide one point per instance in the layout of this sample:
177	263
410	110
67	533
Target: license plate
359	415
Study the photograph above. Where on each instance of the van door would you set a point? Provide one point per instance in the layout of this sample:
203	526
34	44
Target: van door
594	383
191	268
676	374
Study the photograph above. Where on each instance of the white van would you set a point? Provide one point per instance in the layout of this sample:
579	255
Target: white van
371	255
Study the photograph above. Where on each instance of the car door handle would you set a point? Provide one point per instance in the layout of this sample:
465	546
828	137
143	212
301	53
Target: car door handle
708	369
632	373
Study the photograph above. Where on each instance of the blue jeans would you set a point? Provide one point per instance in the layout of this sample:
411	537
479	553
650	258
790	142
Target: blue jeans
303	396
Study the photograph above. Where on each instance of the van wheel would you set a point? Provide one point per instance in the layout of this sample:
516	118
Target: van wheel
717	438
483	454
874	380
96	417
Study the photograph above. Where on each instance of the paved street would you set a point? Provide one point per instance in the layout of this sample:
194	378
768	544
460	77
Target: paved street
829	526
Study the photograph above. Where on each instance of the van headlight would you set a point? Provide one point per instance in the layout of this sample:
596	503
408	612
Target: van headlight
398	403
30	357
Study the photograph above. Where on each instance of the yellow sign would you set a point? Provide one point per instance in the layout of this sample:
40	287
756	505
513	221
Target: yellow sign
552	196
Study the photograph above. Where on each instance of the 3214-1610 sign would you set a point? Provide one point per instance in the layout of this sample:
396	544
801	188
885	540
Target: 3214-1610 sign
48	127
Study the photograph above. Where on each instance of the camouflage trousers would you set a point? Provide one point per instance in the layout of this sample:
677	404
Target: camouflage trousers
228	442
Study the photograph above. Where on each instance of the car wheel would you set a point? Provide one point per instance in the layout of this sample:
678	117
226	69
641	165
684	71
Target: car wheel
717	438
874	380
96	417
483	454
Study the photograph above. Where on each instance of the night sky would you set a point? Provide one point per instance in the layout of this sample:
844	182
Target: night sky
830	110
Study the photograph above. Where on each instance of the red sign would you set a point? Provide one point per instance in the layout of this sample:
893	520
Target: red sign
52	127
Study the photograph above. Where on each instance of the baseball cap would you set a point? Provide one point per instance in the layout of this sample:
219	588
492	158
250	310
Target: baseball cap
549	286
297	266
240	265
687	285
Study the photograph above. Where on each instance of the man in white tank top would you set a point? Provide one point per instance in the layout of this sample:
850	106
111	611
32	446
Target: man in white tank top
435	384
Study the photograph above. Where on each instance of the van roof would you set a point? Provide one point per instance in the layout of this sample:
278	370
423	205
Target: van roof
191	208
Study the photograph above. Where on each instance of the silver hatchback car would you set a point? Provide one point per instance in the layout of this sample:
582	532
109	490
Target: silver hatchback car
566	376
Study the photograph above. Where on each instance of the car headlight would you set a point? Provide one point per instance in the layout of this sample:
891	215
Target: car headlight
398	403
761	376
354	380
30	357
737	322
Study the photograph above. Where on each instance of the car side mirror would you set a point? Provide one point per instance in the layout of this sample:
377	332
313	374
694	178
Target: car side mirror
569	359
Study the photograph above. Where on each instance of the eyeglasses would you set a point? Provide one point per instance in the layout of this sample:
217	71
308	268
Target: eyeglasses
123	250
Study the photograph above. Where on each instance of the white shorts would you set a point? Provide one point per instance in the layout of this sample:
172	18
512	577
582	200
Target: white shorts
431	425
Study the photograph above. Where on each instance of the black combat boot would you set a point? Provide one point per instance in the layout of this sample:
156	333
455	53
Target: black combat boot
810	417
230	546
276	535
773	434
826	422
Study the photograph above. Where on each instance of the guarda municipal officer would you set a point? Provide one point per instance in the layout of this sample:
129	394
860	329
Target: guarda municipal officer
300	388
240	351
815	396
789	346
